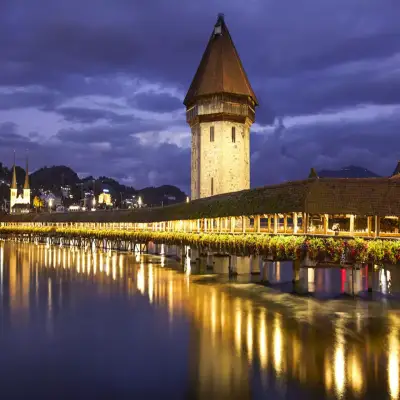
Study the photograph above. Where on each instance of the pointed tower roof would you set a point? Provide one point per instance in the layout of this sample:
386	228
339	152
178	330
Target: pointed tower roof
26	184
220	69
14	176
313	174
396	172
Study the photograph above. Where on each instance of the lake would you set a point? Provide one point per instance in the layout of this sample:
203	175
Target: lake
83	324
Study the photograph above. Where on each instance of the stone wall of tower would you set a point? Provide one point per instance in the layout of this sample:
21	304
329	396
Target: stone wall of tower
195	162
221	165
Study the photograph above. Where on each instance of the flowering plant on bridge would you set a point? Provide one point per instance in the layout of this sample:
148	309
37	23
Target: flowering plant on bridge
279	247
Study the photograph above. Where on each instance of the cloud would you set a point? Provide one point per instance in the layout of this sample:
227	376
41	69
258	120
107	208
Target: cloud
99	87
158	102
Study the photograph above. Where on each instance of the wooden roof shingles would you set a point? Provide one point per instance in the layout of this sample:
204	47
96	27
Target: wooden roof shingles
359	196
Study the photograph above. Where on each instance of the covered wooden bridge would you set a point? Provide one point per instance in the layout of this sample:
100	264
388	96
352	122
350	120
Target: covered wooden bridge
367	207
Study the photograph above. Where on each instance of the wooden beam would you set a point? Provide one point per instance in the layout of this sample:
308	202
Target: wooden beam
377	226
305	223
233	224
295	227
269	223
257	224
243	224
369	225
276	218
285	223
326	224
351	224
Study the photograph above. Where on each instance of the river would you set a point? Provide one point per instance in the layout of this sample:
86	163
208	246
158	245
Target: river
83	324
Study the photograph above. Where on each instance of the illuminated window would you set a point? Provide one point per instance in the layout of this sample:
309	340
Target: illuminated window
233	134
211	133
212	186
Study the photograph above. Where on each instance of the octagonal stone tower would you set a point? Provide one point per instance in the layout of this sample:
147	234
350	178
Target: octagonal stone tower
220	108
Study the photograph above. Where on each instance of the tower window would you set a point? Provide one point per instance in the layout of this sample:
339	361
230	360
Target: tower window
233	134
211	133
212	186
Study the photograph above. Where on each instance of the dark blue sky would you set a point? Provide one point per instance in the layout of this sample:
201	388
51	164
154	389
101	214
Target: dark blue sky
98	84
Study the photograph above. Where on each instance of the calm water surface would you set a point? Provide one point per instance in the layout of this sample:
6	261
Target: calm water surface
77	324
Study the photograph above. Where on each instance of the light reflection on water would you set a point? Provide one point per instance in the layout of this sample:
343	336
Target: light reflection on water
238	346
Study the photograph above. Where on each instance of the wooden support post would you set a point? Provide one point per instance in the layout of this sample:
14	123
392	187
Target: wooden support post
377	226
205	225
218	223
326	224
369	225
276	219
257	224
295	227
211	224
285	223
305	223
198	226
269	223
243	224
351	224
233	224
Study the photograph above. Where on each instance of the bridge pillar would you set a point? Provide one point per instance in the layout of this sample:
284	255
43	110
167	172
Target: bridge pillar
202	263
151	248
221	263
160	249
370	273
194	255
265	270
296	270
210	260
255	264
171	251
242	265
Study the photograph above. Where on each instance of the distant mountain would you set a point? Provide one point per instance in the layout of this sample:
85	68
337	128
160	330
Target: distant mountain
351	171
53	177
166	194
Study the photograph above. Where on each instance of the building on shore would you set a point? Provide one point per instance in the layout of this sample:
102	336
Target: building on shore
20	201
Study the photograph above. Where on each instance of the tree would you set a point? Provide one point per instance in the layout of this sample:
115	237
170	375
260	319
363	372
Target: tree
37	202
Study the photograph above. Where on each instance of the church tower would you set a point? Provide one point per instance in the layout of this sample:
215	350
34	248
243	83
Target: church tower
27	189
220	108
13	188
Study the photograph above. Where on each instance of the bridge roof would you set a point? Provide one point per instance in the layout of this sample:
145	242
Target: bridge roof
363	196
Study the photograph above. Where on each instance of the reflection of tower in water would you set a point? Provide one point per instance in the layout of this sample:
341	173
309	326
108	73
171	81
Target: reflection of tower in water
215	370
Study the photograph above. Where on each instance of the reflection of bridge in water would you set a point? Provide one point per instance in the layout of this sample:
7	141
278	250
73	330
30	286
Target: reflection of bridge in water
238	345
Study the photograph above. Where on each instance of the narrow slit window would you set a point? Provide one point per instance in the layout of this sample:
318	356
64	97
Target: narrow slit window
233	134
212	186
211	133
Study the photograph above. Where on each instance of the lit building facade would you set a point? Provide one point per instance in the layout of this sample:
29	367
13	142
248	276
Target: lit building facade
20	202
